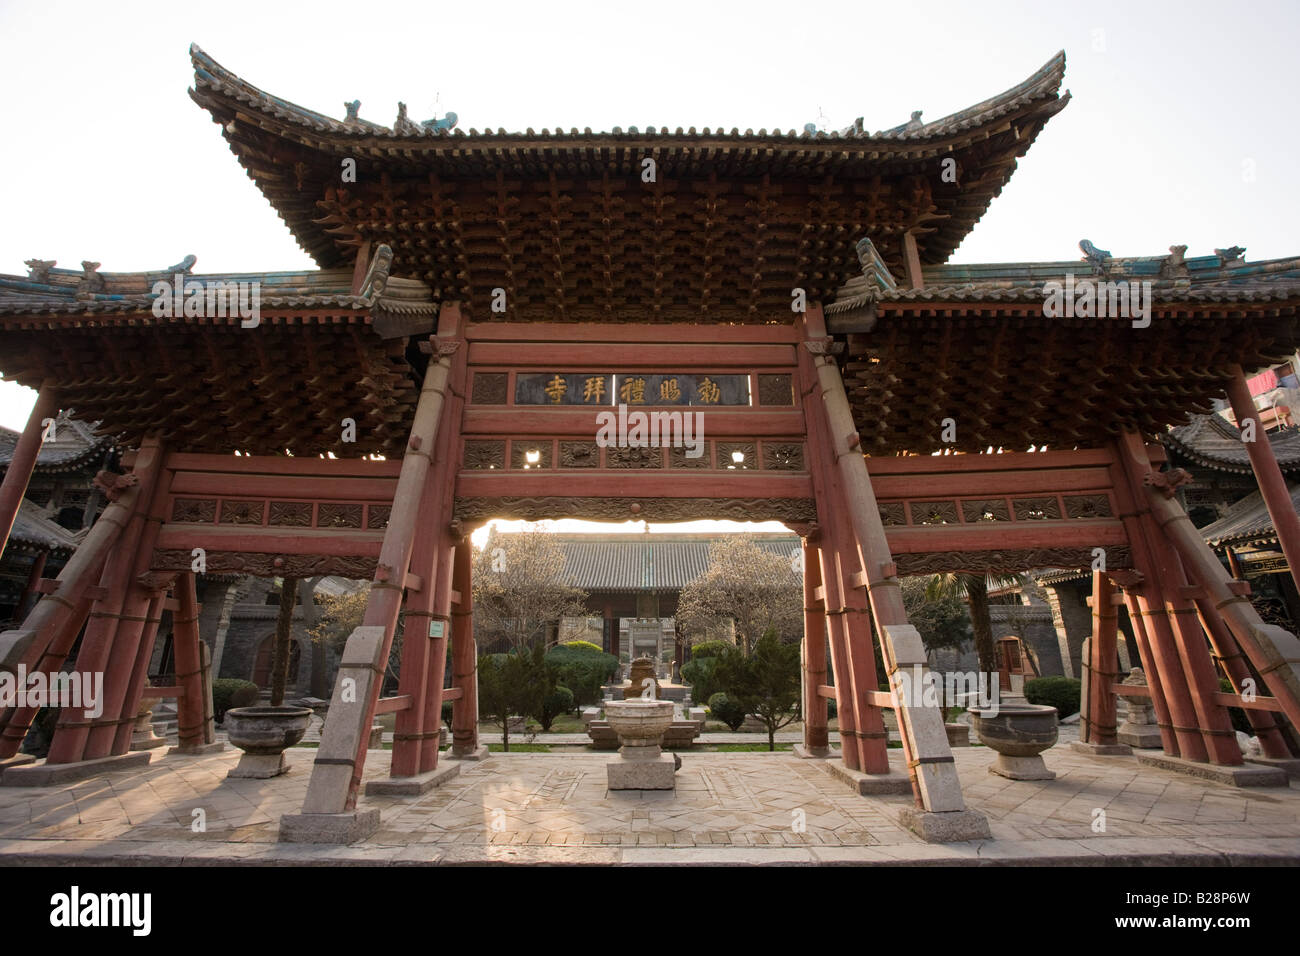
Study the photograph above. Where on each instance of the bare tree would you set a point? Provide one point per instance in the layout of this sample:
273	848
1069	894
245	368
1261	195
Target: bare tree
745	586
520	588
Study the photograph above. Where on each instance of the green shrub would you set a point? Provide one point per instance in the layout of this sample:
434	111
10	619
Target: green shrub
583	668
730	712
1238	716
447	706
1063	693
230	692
832	709
557	702
709	649
699	674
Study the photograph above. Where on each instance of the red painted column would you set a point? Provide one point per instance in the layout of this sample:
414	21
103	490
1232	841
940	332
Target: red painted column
1272	486
139	636
815	720
436	668
410	728
15	722
193	722
1103	658
23	462
33	580
1164	722
71	735
845	700
464	655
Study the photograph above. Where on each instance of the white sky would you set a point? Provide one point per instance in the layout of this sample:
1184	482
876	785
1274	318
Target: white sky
108	158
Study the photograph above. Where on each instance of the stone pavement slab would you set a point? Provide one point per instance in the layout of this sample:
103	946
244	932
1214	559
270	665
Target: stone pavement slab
728	808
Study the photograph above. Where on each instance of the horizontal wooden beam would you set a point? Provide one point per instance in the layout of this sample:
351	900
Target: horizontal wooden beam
827	691
391	705
651	483
171	690
1008	461
619	357
1006	536
452	693
330	541
277	465
991	484
210	484
1259	703
569	422
554	332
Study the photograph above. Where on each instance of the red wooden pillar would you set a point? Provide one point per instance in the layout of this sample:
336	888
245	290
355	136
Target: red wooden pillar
464	656
15	722
846	707
194	719
815	720
1272	486
1164	722
1103	658
140	636
96	655
23	461
33	582
437	664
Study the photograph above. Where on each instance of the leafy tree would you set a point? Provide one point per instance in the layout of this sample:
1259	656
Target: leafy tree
583	668
520	588
747	587
730	712
766	683
942	619
280	649
974	588
513	684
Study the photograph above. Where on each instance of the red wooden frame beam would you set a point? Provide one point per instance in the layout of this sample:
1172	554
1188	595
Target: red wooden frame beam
626	484
620	357
629	332
391	705
276	465
570	422
1006	536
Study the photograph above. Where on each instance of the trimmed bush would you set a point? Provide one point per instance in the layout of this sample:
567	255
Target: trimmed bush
230	692
1063	693
557	702
699	674
730	712
583	668
709	649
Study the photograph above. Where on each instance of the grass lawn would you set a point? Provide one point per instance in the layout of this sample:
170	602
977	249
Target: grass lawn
741	748
521	748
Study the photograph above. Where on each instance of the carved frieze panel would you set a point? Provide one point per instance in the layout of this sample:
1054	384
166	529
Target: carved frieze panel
1036	509
775	390
268	565
637	457
290	514
783	456
1087	506
934	512
242	512
377	517
339	516
677	457
1022	559
484	455
490	388
728	450
993	509
529	455
194	510
788	510
579	454
891	512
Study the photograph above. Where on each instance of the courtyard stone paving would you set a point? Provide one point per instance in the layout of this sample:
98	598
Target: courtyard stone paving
739	808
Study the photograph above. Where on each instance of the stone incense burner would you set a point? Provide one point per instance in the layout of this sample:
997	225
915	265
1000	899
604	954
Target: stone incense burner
1019	733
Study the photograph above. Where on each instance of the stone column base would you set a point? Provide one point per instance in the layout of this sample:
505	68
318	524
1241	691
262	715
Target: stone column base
870	784
1021	768
17	760
341	828
1239	776
141	742
814	753
215	747
44	774
657	773
1141	737
260	766
1101	750
1290	765
478	753
414	785
952	826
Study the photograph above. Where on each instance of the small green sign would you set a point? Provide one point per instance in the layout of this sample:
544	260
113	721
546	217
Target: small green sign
436	628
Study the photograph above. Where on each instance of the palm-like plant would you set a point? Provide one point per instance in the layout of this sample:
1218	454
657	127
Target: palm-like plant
974	588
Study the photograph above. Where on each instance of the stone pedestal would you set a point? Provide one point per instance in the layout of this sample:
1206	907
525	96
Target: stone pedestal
142	735
958	735
376	741
260	766
642	764
1139	726
1021	768
341	828
951	826
412	786
44	774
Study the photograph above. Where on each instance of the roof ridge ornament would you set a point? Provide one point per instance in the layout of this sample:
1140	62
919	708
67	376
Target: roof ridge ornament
873	266
39	269
185	266
1098	257
1231	256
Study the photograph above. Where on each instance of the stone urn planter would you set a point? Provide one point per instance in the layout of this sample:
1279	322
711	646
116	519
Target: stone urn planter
641	764
263	734
1019	733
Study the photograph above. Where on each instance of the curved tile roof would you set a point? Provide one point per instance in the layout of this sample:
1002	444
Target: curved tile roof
1214	442
1247	521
